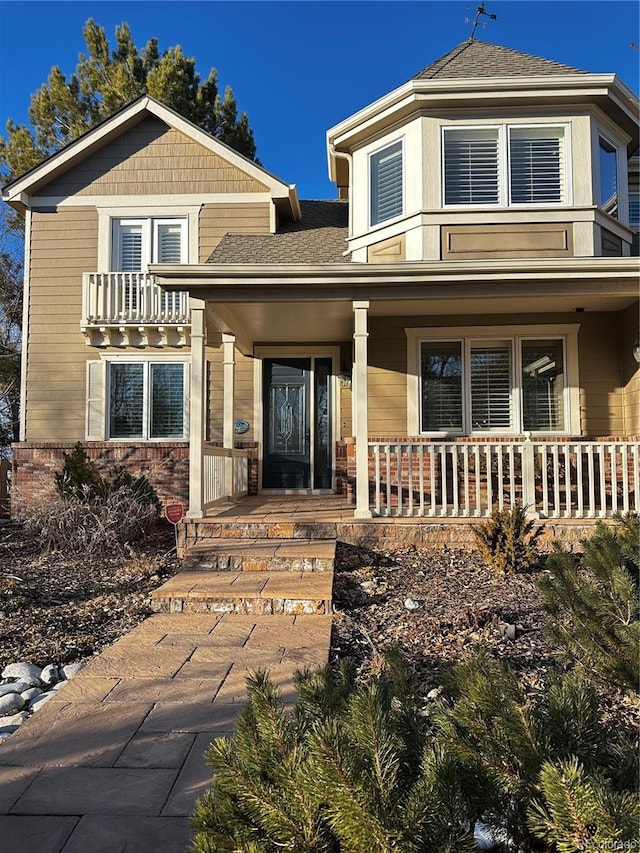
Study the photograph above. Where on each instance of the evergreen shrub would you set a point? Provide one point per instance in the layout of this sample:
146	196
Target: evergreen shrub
507	540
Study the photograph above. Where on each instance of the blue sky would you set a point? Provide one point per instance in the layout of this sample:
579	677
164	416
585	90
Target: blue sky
299	67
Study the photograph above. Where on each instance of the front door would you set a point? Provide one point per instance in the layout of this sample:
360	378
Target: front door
297	423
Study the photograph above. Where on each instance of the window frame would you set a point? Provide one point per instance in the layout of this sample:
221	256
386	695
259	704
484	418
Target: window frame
150	241
377	153
470	335
147	362
503	133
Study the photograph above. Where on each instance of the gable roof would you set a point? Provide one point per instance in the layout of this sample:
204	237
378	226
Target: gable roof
320	237
17	191
473	58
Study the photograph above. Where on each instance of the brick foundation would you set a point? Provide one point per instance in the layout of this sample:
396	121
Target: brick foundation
165	465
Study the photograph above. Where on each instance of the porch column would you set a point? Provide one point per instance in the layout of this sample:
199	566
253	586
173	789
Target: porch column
360	409
196	410
229	375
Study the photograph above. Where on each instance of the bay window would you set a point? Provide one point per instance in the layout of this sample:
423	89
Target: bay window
386	183
146	400
608	163
504	165
477	384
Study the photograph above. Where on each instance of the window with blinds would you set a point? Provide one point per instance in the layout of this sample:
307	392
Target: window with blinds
490	381
634	208
139	242
386	183
536	169
543	385
476	385
504	165
146	400
441	366
471	167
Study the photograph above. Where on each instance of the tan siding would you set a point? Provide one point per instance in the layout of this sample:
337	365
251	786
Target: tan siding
216	220
64	245
152	159
630	333
243	394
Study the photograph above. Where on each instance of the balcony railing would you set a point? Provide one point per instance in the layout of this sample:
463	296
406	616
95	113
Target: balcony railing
128	308
570	479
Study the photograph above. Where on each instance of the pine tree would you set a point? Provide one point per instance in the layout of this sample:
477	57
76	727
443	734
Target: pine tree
105	80
349	770
593	603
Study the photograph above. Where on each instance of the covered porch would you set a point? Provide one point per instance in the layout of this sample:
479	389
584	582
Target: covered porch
384	462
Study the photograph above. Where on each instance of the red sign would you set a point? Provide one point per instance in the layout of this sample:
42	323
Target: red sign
174	513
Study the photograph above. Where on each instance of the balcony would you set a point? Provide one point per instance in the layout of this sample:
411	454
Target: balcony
129	309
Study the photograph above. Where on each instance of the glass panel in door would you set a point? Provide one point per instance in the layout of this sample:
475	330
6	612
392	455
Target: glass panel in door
287	458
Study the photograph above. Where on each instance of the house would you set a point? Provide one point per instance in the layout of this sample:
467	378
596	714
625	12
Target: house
458	329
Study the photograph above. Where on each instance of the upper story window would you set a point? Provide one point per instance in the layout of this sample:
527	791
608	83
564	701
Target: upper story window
139	242
504	165
386	170
634	207
608	161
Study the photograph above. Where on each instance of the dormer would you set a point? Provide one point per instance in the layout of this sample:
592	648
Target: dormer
484	155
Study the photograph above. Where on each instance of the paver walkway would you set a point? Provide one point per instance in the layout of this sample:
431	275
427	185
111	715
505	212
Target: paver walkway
115	761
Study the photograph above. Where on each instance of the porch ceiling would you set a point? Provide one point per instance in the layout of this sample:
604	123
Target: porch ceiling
332	320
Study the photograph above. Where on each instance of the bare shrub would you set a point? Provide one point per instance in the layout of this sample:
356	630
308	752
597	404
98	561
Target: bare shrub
85	523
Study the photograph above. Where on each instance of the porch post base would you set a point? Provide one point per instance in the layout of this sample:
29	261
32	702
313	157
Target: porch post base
362	513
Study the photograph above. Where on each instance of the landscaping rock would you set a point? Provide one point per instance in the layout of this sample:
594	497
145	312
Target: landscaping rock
50	675
14	687
10	703
71	669
39	701
27	672
15	719
30	694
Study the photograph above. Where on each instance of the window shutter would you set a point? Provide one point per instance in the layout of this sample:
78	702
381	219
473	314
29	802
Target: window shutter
169	236
536	167
130	248
491	387
96	372
471	167
386	183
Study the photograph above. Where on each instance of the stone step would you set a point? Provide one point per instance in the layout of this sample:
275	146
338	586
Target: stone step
195	530
259	555
245	592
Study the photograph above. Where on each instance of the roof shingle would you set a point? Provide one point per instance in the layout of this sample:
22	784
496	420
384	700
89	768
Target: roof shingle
318	238
473	58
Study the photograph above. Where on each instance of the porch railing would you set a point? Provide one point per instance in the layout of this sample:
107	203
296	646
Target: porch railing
570	479
120	298
216	474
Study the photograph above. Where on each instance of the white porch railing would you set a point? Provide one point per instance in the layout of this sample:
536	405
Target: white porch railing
214	474
467	479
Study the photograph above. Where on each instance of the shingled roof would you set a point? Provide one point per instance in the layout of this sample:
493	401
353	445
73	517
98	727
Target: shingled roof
473	58
320	237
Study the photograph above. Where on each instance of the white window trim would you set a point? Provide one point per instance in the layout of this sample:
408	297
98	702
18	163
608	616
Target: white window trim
504	185
388	144
571	398
106	216
137	359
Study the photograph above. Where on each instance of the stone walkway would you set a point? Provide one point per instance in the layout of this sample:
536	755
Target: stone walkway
114	762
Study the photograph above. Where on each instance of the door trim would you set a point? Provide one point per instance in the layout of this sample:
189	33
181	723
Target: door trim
262	352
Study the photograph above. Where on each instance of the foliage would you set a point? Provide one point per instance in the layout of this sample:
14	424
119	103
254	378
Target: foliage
93	512
85	523
593	603
516	753
80	478
507	540
349	770
106	79
10	323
